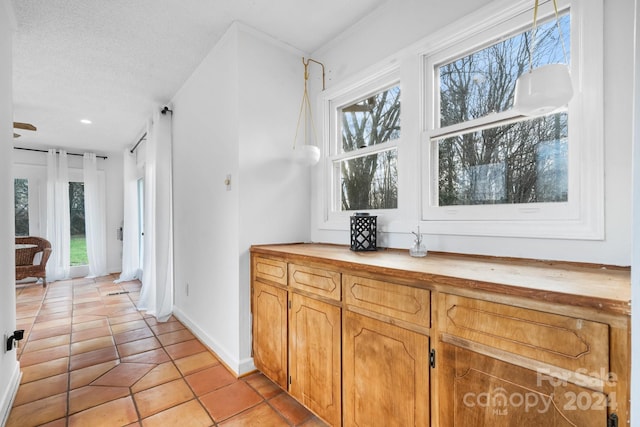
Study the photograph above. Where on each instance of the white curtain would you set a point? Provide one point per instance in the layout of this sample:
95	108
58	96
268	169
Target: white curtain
130	231
94	217
156	294
58	232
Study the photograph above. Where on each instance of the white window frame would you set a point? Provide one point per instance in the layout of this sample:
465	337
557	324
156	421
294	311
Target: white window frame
331	101
582	217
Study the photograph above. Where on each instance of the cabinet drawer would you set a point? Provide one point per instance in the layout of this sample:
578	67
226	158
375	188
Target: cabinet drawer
318	281
393	300
271	270
567	342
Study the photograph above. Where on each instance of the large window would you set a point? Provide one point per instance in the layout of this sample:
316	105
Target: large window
524	161
487	164
365	129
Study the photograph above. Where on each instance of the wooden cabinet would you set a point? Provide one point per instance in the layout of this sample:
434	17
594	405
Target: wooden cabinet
270	331
385	353
314	348
383	339
385	374
483	391
504	365
297	329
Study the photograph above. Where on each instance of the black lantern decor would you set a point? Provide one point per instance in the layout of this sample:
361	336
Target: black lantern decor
363	232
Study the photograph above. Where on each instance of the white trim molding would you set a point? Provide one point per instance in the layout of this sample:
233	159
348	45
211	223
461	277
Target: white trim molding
9	393
239	367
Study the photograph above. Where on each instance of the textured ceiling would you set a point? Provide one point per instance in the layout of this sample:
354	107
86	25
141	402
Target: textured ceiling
110	61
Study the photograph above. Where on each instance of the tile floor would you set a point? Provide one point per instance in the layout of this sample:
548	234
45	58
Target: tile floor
90	358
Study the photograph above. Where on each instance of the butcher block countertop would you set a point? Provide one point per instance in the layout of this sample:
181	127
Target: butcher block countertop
604	288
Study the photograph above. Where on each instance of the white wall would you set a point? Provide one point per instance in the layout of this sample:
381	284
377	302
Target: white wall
405	22
274	192
35	164
205	139
235	116
9	367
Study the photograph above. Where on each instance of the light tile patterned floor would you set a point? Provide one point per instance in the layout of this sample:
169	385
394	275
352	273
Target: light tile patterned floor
89	358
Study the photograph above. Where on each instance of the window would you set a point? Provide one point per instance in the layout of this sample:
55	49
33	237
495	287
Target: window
367	165
487	165
365	129
499	163
78	241
21	199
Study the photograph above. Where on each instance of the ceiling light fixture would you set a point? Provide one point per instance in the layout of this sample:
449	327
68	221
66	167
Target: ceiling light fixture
86	121
307	154
546	88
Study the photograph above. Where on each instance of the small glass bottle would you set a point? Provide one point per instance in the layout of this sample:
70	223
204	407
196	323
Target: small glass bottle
418	249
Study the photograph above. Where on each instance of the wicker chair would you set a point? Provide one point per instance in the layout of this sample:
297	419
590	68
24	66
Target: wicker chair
26	255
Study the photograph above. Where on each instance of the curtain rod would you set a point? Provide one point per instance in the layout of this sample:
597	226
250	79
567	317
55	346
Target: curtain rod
46	151
142	138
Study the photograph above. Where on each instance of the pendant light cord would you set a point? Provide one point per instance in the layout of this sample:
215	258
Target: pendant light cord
564	50
305	105
534	31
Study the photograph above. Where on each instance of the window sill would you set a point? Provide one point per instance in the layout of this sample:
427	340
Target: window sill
590	229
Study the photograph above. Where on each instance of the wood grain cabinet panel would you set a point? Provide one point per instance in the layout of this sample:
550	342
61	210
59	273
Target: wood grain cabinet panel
270	270
385	374
445	341
318	281
315	356
392	300
270	331
482	391
567	342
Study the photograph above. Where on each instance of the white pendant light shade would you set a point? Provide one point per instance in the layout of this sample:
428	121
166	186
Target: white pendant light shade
543	90
305	154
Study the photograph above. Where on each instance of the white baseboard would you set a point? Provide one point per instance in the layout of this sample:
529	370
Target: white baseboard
9	394
239	367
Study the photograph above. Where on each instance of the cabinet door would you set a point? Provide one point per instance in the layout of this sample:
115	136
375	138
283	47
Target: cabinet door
314	351
270	331
385	374
477	390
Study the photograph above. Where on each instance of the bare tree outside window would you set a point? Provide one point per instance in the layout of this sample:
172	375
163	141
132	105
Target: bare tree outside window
370	180
521	162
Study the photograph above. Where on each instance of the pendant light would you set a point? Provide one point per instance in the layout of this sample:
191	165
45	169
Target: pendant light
547	88
307	154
